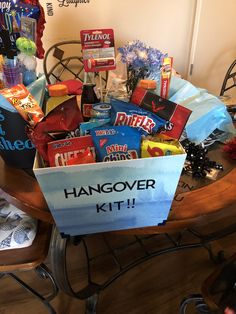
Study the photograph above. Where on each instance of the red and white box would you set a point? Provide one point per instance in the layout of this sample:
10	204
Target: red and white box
98	50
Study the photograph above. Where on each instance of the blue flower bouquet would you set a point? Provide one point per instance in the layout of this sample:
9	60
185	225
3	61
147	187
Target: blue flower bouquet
142	62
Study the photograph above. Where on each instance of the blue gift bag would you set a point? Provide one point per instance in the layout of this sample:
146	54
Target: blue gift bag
16	148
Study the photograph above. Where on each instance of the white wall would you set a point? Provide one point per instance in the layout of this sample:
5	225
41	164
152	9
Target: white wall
166	25
216	44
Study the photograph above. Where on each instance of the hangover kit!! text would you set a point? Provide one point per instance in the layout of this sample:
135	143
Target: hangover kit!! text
111	188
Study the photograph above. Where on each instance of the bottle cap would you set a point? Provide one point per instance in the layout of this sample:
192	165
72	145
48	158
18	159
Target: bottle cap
148	84
57	90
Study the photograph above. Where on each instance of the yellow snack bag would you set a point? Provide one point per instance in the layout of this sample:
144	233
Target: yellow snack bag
159	147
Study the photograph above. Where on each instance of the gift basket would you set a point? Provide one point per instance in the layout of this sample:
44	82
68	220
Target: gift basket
110	158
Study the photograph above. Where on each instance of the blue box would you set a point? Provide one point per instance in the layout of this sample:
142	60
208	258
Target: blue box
110	196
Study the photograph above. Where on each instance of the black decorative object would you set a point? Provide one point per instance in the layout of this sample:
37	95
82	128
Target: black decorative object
197	161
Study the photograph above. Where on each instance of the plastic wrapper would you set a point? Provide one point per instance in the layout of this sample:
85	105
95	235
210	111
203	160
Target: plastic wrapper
176	115
70	151
64	118
116	143
24	103
157	147
123	113
87	157
86	127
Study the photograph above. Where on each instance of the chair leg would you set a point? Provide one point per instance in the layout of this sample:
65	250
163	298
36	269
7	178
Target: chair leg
198	301
91	304
43	272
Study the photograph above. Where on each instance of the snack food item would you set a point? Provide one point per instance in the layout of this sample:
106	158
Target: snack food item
86	127
123	113
87	157
116	143
157	147
176	115
60	152
64	118
25	104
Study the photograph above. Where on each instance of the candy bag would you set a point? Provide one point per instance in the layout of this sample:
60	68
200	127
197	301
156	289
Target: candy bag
116	143
24	103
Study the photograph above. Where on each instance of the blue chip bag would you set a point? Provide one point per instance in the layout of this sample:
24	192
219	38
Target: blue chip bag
86	127
113	143
123	113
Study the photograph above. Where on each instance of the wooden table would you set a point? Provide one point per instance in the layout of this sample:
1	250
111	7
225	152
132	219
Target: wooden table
195	199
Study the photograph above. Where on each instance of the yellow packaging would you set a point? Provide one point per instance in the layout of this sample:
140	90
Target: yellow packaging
159	147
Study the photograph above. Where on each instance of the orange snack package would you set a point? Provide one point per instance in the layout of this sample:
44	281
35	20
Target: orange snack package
24	103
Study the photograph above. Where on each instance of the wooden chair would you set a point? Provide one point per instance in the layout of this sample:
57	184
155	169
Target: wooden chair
230	79
218	290
64	61
31	258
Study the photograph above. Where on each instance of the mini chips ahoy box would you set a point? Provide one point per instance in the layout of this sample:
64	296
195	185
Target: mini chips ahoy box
113	195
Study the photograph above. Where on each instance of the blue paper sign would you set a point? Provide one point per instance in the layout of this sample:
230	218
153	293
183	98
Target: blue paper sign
110	196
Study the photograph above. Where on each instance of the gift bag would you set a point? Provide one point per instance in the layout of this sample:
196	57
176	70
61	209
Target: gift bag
16	148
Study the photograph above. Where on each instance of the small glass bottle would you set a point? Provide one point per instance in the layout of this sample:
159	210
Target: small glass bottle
88	98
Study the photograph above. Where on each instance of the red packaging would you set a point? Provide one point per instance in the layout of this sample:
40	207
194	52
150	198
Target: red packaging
25	104
65	117
87	157
166	76
176	115
98	50
62	151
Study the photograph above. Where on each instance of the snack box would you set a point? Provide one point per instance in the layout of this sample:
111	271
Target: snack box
108	196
